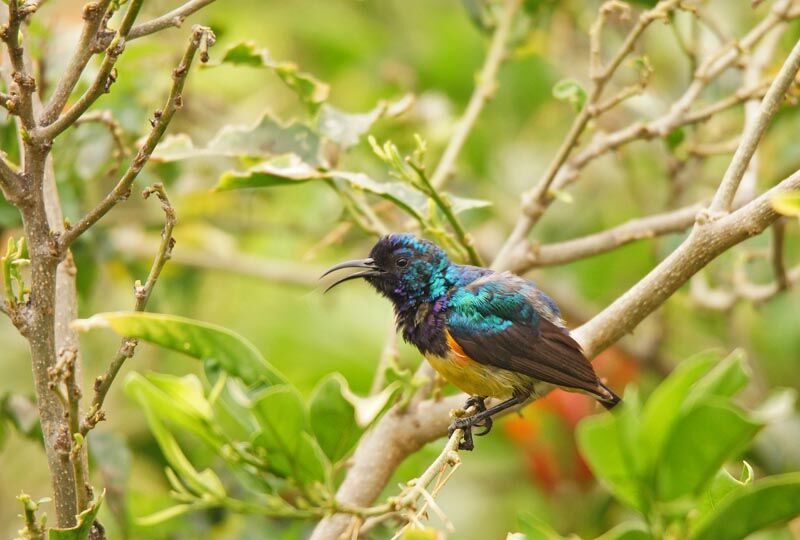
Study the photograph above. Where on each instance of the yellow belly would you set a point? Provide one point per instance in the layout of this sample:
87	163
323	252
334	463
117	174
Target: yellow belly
479	379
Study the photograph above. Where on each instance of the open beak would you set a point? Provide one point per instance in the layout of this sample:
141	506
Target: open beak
369	264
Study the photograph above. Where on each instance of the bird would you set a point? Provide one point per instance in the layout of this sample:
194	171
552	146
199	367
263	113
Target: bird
491	334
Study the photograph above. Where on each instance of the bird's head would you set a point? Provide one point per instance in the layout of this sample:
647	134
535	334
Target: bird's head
406	269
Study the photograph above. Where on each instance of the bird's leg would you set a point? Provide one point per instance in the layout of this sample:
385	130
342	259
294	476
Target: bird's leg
482	419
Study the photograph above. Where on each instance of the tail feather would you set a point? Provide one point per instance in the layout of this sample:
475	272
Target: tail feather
607	397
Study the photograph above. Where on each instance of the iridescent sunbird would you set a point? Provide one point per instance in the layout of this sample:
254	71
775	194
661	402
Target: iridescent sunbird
491	334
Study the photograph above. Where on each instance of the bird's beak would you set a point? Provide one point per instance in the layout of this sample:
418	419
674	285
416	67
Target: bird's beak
369	264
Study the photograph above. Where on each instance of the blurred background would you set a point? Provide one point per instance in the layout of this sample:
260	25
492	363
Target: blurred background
247	259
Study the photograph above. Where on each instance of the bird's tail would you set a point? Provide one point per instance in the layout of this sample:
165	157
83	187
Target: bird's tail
607	397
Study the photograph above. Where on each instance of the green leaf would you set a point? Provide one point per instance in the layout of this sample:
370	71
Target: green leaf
570	90
664	404
427	533
166	514
722	485
628	530
674	138
266	139
279	171
787	203
333	418
312	466
605	442
703	438
81	530
308	88
762	504
280	413
179	400
204	341
724	380
205	482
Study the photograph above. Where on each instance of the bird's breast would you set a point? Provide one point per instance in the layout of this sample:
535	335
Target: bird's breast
475	378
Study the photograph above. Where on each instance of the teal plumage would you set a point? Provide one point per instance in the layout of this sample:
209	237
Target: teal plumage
489	333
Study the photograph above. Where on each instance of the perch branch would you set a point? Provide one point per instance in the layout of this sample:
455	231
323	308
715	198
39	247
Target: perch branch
25	84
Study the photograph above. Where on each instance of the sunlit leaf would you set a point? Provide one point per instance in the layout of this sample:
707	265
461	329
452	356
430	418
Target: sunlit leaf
279	171
762	504
787	203
725	379
201	340
266	139
308	88
166	514
346	128
421	534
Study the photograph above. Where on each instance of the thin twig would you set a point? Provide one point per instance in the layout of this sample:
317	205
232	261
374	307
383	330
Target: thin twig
94	13
485	87
173	19
106	119
103	80
723	198
594	244
160	122
25	83
777	254
142	293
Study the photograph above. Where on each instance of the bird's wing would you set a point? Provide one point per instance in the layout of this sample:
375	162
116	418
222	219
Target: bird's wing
505	321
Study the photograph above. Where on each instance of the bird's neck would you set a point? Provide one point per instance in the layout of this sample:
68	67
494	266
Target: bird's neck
423	324
421	310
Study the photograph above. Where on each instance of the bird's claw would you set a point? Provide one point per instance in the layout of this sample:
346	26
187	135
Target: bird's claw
466	425
479	402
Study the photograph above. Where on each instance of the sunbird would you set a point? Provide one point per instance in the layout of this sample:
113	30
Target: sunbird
491	334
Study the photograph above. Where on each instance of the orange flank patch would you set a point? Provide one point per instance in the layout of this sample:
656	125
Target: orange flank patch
459	354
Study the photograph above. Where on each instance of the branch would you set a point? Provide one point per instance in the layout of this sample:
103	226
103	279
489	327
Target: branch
160	122
579	248
173	19
103	80
25	83
723	198
94	13
535	201
484	90
106	119
142	292
706	242
9	180
561	172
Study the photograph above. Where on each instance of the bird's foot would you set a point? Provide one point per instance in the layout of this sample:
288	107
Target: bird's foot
479	402
466	424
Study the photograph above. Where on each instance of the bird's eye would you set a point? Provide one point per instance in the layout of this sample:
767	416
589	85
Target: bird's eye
402	263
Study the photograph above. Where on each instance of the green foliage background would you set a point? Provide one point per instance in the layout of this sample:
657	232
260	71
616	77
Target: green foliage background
369	51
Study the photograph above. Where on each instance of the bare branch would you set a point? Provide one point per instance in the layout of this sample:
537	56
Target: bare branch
173	19
484	90
93	16
24	82
127	347
9	180
103	80
561	172
707	240
777	254
579	248
723	198
160	122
